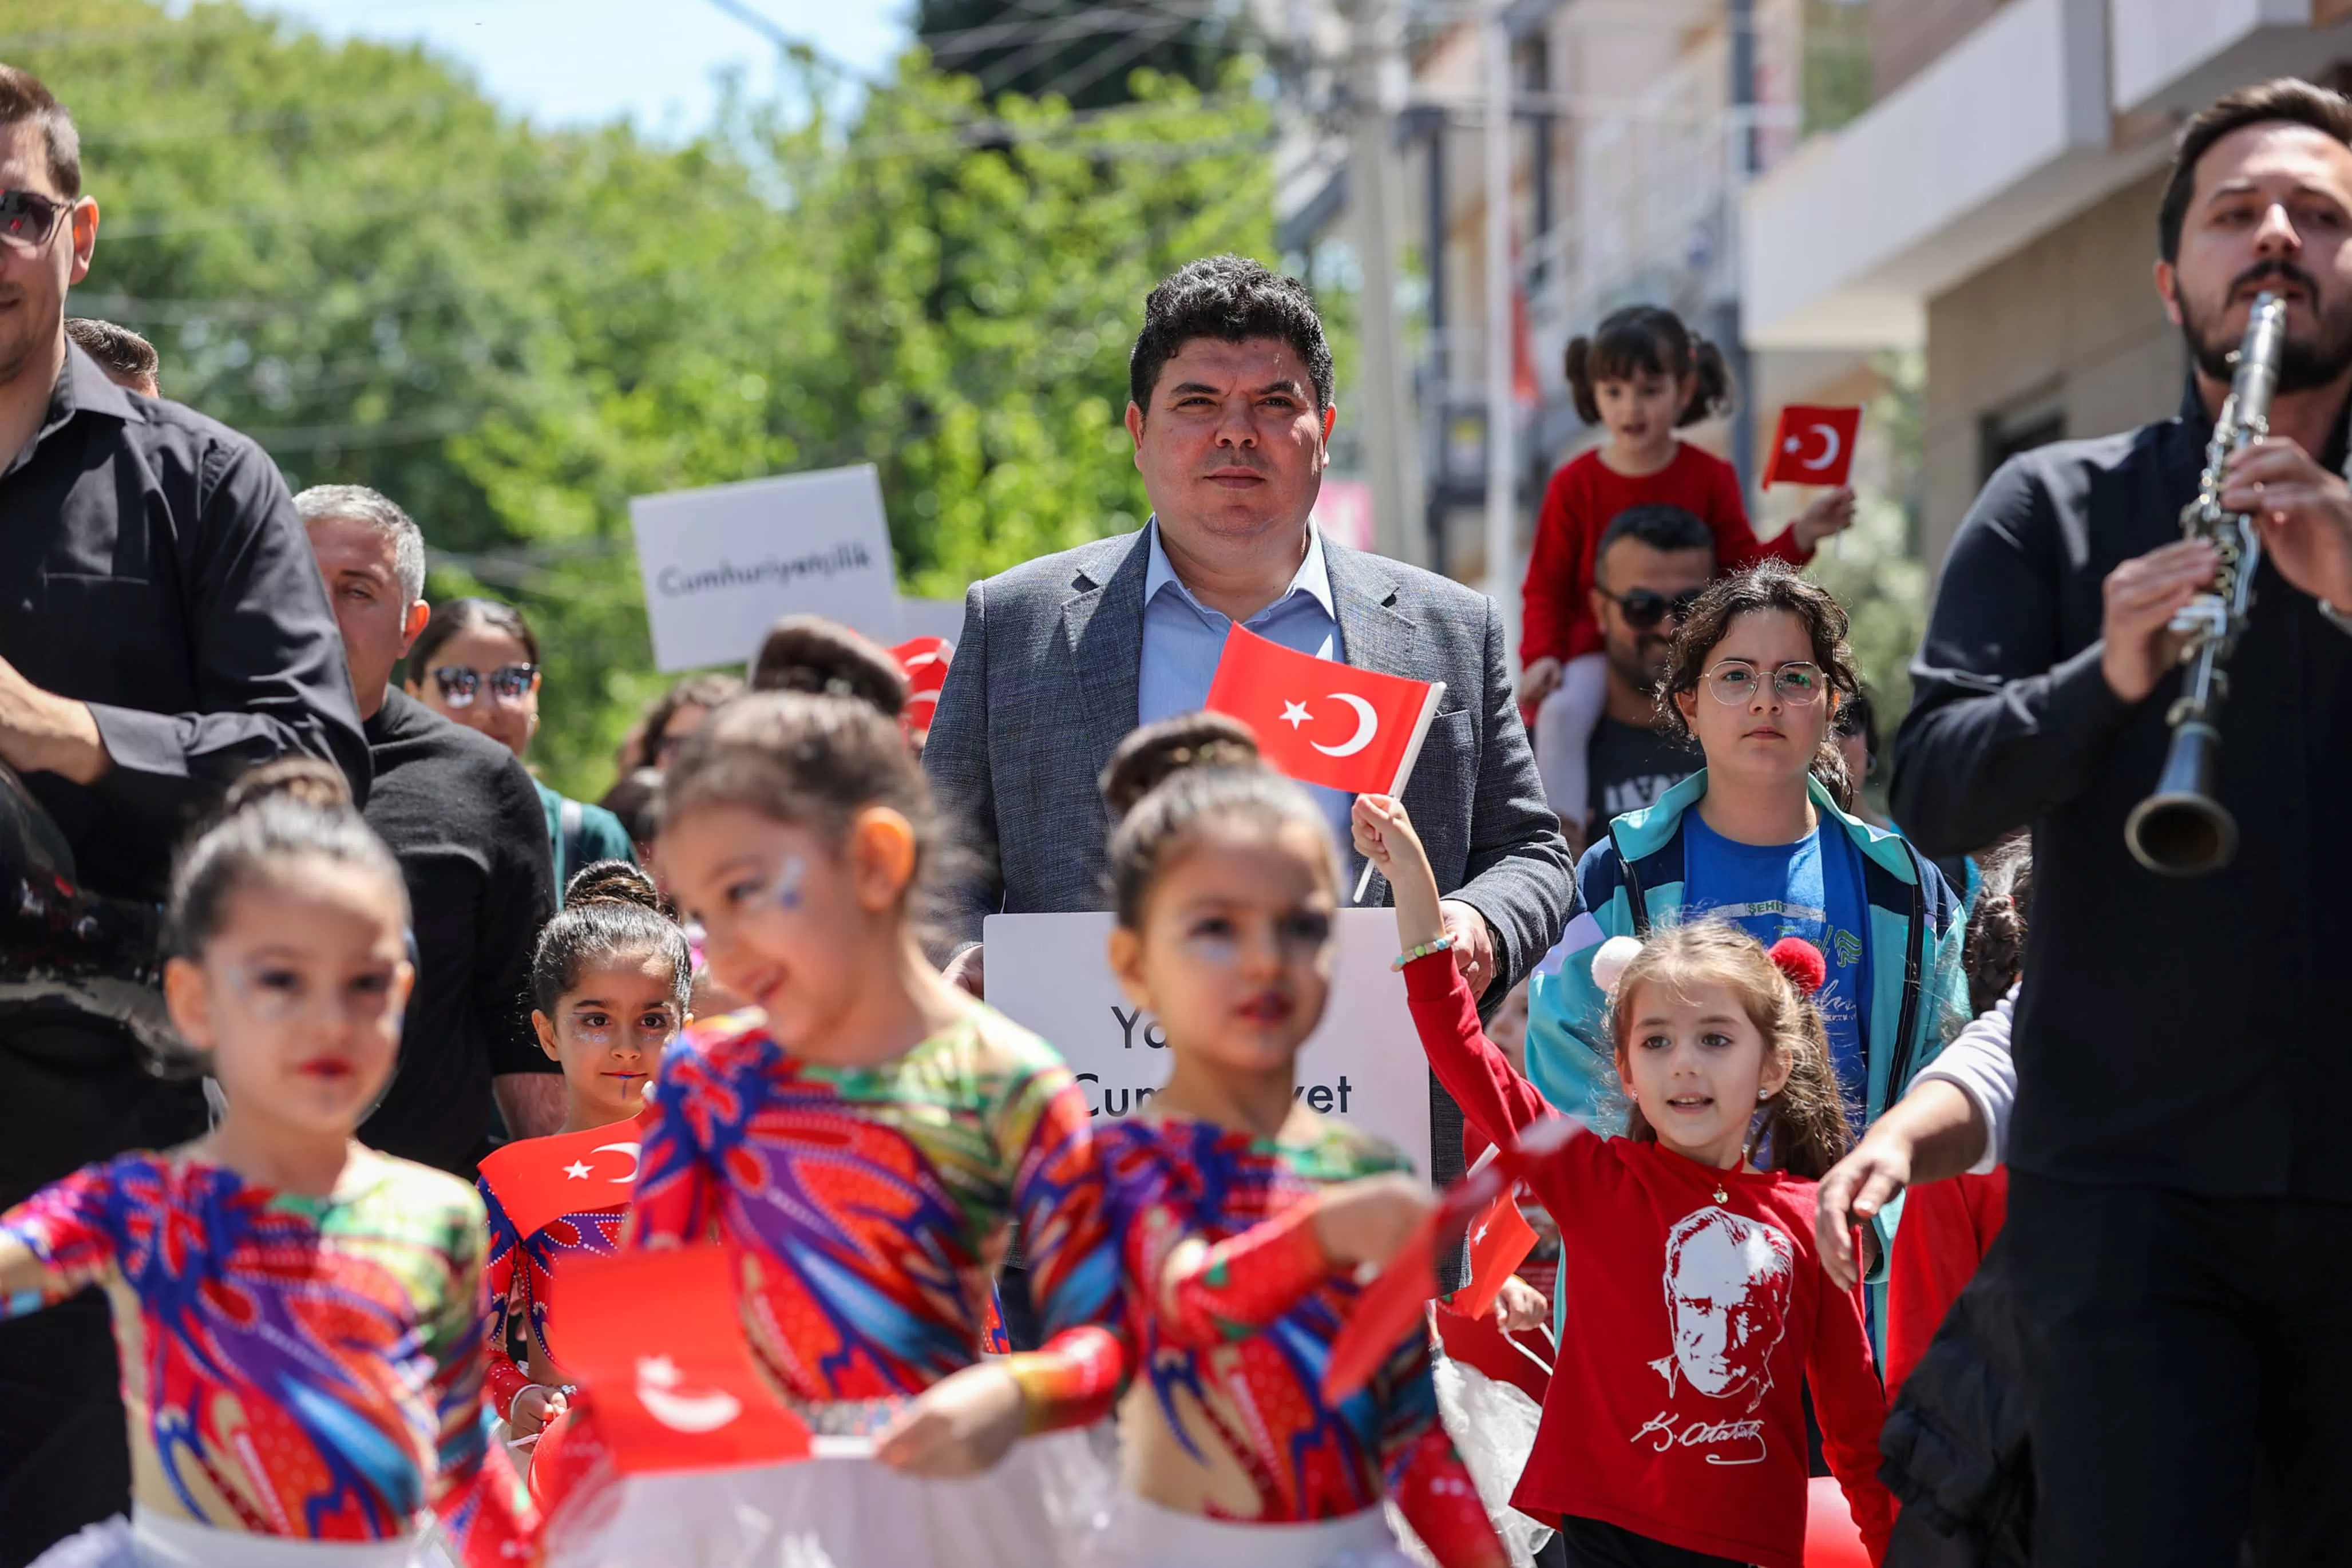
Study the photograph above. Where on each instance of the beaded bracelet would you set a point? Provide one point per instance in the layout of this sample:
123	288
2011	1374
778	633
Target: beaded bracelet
1442	944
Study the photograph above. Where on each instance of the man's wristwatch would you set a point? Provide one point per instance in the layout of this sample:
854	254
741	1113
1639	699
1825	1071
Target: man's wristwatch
2340	619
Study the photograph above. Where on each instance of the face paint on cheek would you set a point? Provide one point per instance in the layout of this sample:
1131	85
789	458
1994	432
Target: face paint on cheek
1222	949
785	892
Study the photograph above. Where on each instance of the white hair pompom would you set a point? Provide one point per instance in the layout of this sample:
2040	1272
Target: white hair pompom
1610	961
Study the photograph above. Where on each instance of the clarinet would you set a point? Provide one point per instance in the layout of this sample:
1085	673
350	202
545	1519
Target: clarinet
2182	829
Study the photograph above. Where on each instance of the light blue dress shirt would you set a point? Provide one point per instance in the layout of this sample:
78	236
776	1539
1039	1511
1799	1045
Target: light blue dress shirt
1182	639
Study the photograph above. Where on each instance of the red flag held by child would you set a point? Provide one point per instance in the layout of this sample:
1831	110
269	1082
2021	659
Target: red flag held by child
542	1179
656	1340
1500	1240
1322	721
1812	445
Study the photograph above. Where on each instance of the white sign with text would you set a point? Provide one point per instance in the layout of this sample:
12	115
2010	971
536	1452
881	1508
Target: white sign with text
721	565
1363	1064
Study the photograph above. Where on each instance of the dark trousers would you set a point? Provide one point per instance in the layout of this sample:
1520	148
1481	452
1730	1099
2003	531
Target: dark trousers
81	1094
2189	1378
1588	1543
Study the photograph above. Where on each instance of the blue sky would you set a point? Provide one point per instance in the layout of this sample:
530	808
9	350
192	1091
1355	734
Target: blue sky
565	61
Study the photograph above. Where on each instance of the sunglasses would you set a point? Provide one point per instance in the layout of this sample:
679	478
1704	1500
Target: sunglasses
1645	607
508	683
1736	681
28	219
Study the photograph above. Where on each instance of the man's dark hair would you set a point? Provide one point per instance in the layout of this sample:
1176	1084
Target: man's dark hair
2286	100
1657	525
1230	299
23	98
121	351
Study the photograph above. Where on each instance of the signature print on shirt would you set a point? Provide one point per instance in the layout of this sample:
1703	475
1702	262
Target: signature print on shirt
1728	1284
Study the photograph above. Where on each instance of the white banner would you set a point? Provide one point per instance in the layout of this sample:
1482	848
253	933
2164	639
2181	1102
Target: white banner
721	565
1363	1064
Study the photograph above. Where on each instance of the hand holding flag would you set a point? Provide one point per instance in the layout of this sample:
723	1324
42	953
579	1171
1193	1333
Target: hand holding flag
656	1339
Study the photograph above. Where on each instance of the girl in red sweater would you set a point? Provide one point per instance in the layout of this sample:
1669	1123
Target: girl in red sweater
1673	1433
1641	376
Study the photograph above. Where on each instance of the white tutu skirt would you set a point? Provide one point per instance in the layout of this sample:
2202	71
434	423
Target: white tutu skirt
150	1541
1141	1534
1492	1425
840	1509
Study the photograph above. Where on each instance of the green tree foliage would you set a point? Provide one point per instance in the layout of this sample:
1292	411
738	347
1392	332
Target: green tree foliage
349	253
1081	50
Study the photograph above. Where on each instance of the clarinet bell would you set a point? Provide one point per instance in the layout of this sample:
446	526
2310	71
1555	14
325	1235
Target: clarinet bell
2182	830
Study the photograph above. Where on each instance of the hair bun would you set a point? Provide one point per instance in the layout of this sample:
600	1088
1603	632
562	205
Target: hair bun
1151	753
305	780
812	654
1801	962
612	882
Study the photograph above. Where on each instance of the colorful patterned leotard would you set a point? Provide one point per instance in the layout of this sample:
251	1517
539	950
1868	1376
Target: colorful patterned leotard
870	1207
521	1278
1235	1346
292	1366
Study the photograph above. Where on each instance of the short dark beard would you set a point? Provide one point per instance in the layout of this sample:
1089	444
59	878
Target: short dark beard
2307	360
1627	663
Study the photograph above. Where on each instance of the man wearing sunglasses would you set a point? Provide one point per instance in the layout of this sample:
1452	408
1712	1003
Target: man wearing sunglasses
1650	566
161	630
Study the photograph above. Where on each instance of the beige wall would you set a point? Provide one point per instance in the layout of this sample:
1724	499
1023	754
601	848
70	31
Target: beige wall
1905	36
2072	318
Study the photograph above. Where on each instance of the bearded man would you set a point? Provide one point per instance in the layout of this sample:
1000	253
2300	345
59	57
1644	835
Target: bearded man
2179	1233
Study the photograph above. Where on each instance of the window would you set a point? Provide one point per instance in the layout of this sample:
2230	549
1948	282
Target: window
2020	428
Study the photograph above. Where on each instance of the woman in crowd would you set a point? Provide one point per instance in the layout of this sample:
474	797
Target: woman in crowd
1238	1212
298	1316
1641	376
477	663
671	719
1757	673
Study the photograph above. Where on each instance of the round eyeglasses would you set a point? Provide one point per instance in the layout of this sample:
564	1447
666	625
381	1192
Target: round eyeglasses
1736	681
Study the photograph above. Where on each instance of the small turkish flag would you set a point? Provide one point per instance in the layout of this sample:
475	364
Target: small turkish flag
542	1179
924	662
1322	721
1812	445
656	1340
1388	1308
1500	1240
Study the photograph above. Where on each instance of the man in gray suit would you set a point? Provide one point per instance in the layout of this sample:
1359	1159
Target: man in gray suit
1230	413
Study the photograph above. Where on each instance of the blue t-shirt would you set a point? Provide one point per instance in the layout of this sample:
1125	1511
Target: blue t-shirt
1811	889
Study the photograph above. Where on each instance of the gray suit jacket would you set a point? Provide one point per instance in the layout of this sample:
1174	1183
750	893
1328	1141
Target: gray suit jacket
1045	683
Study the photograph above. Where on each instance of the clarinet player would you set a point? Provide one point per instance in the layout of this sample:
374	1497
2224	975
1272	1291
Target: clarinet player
2180	1213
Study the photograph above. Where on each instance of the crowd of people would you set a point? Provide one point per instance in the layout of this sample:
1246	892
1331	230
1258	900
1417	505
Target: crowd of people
305	974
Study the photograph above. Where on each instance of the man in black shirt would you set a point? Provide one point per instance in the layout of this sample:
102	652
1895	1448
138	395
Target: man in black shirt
466	822
1649	567
161	630
2180	1211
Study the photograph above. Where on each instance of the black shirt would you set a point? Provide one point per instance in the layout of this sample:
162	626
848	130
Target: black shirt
2182	1033
152	566
464	817
1632	767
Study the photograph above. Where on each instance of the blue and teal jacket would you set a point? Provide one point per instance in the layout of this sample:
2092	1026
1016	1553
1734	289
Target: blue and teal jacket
1918	994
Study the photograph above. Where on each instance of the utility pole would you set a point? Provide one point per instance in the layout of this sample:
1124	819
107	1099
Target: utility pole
1391	442
1502	433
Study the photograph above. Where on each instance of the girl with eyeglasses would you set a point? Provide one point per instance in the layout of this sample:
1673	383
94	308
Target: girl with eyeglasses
1757	675
1641	376
477	663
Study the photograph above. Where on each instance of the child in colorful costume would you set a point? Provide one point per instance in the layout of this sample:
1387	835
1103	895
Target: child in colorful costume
298	1317
860	1143
1239	1212
609	987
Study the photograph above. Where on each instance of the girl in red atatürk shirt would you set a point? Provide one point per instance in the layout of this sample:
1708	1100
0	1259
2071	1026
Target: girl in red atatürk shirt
1673	1433
1642	375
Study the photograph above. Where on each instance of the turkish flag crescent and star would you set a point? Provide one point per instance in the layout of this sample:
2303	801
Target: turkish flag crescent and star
542	1179
676	1388
1322	721
1812	445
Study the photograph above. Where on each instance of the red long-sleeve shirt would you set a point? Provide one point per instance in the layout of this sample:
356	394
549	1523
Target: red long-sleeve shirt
1584	497
1947	1227
1698	1310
